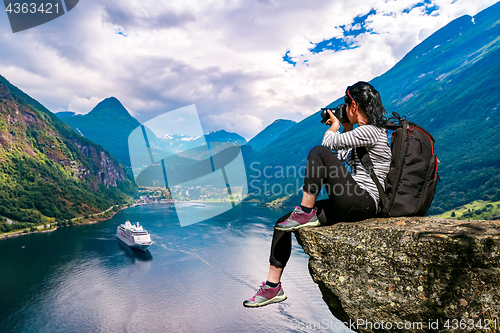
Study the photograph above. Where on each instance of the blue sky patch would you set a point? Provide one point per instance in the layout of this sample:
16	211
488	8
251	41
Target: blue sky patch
335	44
356	28
359	24
429	7
120	32
288	59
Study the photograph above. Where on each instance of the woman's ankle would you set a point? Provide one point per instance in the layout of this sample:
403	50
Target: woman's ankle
308	200
274	275
305	209
272	284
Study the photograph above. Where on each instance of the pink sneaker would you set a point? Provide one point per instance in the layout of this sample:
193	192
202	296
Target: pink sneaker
298	219
266	295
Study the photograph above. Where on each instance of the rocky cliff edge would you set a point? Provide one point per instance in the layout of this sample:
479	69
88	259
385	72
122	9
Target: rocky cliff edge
407	270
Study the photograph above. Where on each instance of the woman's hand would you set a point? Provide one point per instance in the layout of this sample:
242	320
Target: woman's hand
333	122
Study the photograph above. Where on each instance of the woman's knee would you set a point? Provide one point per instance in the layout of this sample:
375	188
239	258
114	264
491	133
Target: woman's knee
276	263
318	150
321	155
321	151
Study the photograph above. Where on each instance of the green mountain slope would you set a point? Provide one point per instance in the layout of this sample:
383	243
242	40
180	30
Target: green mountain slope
450	85
108	124
46	169
270	133
476	210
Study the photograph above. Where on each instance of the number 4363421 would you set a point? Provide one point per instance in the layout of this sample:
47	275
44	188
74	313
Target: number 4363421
32	8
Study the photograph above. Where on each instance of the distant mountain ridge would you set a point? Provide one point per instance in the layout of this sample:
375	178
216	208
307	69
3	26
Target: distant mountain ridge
224	136
449	84
270	133
108	124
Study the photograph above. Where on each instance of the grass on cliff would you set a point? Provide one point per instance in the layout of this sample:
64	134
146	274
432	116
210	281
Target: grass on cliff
476	210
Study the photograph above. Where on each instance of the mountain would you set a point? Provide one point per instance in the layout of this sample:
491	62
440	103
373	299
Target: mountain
176	143
223	136
46	169
171	144
108	124
270	133
449	84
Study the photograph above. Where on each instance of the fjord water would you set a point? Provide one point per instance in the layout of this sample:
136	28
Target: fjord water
193	279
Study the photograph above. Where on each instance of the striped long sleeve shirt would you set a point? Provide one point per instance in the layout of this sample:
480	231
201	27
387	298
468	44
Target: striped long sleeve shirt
377	145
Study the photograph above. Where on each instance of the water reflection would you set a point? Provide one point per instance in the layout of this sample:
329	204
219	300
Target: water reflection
135	254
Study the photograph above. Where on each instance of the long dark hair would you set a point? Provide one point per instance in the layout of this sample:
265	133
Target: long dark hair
369	100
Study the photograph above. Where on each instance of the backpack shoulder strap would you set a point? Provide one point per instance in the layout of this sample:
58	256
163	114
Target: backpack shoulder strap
368	164
394	122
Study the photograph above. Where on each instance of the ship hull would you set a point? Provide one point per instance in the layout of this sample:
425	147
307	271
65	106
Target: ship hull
128	242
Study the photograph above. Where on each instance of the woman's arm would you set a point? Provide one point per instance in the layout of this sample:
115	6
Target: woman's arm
362	136
335	123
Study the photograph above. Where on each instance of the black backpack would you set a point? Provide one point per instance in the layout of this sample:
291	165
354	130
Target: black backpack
411	182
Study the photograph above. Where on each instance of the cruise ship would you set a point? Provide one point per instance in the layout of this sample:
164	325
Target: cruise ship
134	236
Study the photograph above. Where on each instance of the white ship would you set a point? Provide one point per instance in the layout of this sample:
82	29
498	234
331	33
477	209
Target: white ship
134	236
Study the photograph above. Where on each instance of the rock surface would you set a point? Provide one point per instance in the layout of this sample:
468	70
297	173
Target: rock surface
407	270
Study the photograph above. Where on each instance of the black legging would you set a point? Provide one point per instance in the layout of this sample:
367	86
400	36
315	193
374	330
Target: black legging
347	202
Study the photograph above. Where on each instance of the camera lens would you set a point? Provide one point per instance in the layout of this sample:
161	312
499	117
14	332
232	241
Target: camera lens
324	115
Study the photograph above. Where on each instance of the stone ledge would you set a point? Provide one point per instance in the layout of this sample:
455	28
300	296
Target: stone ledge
406	269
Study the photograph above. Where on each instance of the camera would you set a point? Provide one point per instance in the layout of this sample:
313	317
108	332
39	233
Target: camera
338	112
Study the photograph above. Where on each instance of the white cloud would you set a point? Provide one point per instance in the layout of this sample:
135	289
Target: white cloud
83	105
240	123
225	56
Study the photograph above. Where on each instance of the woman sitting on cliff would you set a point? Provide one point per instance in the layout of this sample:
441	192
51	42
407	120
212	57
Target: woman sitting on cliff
351	197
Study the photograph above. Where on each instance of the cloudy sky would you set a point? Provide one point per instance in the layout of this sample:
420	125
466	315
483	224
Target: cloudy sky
242	63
